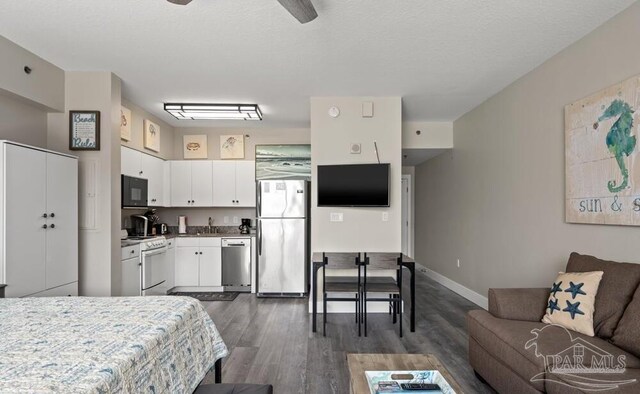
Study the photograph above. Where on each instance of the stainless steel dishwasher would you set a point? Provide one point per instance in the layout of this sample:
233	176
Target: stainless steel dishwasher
236	264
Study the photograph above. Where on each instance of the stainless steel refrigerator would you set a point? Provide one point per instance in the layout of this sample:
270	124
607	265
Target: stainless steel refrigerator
282	237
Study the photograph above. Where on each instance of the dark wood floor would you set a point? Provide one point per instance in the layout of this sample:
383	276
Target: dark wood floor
270	340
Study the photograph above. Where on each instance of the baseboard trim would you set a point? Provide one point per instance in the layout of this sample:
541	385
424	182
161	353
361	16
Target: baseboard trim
456	287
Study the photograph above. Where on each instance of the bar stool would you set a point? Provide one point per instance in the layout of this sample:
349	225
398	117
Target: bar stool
386	285
340	284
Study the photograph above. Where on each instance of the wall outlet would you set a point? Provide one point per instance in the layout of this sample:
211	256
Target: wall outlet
236	220
226	220
385	216
336	217
458	263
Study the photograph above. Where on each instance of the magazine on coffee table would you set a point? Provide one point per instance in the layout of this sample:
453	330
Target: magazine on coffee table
433	377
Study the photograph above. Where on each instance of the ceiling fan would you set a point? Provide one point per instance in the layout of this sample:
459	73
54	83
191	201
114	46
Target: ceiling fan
302	10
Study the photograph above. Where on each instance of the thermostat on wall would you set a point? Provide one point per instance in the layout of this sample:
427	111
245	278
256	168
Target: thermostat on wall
334	112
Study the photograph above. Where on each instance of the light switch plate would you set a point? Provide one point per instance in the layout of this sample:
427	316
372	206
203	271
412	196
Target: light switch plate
226	220
385	216
367	109
236	220
336	217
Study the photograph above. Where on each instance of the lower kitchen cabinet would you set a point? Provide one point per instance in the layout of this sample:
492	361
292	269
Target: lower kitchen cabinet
198	263
211	266
187	266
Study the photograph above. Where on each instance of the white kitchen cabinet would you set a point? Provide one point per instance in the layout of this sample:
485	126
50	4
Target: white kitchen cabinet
39	219
153	171
234	183
130	162
246	183
141	165
210	266
224	183
191	183
131	284
187	265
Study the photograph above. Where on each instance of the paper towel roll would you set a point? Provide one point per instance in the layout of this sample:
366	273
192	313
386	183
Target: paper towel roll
182	224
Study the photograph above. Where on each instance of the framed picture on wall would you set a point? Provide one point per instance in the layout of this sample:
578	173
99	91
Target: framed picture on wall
195	146
84	130
232	146
151	136
125	124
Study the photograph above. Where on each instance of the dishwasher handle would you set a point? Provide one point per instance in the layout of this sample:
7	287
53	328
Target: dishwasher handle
235	243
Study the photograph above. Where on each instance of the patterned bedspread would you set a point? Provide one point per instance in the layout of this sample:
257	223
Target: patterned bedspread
106	345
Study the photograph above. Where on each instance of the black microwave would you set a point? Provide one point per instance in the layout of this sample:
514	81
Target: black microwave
134	192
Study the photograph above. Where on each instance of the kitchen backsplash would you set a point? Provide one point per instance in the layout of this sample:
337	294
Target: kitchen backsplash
200	216
193	230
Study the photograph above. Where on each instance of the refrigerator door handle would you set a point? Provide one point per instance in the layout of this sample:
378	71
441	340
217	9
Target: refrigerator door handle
259	237
259	199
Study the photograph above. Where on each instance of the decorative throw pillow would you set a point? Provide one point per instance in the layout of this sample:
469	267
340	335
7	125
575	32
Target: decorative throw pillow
572	299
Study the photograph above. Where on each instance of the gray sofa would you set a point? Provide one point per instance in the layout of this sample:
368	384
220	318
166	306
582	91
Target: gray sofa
514	352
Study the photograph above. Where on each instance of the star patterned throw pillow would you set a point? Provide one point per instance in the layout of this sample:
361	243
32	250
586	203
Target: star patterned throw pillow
572	300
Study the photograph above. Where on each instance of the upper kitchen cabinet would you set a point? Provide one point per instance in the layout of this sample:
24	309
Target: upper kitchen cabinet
191	183
234	183
140	165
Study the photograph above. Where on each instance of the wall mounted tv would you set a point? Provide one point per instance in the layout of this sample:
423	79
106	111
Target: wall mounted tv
353	185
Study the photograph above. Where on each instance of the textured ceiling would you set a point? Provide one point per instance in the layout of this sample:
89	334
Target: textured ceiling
442	56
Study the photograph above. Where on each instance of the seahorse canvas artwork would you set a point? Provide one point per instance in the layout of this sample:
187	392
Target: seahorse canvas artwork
232	146
601	154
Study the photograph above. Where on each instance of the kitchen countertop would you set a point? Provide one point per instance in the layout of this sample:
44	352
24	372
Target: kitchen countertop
207	235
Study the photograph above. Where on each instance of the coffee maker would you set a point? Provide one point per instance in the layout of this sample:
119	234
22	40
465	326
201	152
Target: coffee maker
245	226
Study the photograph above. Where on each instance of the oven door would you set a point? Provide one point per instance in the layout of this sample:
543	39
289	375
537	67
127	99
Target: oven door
134	192
154	272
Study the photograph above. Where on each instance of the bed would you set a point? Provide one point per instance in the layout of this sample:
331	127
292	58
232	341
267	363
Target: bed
106	345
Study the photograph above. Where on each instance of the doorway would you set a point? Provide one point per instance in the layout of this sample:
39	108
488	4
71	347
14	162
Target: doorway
407	215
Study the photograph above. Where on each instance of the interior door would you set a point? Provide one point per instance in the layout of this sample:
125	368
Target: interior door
62	211
130	162
153	170
180	183
281	255
201	183
246	183
224	183
25	237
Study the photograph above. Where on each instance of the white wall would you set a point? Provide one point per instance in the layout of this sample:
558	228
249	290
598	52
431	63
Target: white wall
43	88
22	122
99	247
433	135
363	228
497	200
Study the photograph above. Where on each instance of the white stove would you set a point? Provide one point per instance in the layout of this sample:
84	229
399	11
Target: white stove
151	268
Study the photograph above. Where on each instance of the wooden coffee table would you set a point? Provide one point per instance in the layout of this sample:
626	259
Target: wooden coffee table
358	363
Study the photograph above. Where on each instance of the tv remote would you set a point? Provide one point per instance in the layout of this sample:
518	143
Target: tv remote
420	386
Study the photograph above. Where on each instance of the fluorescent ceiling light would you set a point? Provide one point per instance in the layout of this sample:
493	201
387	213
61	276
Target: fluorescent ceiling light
214	111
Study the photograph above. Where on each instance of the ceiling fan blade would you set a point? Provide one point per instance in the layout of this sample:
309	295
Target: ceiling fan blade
180	2
302	10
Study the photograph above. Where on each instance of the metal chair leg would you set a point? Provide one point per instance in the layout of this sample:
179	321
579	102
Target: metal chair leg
324	315
395	309
390	303
400	312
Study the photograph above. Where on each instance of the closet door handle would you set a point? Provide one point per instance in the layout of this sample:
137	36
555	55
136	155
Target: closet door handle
53	215
44	226
53	226
45	215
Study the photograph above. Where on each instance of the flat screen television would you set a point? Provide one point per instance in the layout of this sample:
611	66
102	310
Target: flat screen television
353	185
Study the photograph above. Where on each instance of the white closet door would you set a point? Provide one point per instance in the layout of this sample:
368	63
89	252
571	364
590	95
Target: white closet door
224	183
25	191
201	183
131	162
62	212
180	183
246	183
153	170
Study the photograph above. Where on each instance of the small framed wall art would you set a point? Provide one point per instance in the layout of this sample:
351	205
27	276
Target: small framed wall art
195	146
125	124
84	130
232	146
151	136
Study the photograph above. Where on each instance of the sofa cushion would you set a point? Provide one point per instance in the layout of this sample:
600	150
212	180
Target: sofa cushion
527	347
572	301
619	282
627	334
565	384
